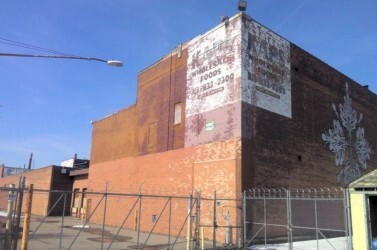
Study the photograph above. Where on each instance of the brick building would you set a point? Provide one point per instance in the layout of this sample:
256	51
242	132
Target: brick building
234	108
71	177
43	179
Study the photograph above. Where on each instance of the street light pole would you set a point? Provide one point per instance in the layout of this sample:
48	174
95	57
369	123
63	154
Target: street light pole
114	63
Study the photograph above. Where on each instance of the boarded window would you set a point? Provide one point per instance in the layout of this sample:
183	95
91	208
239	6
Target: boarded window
177	113
152	134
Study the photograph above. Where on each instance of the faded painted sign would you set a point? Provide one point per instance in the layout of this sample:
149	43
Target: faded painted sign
266	79
214	64
213	93
234	62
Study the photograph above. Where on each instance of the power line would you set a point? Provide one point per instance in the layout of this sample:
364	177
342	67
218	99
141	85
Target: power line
32	47
28	47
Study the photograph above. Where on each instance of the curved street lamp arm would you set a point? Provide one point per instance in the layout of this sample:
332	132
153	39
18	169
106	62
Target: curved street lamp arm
109	62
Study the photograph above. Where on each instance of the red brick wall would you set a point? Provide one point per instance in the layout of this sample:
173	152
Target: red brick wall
44	179
160	87
281	152
134	147
41	178
126	133
80	182
206	168
115	136
172	170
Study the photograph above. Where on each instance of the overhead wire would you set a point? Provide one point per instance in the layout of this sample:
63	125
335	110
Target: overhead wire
32	47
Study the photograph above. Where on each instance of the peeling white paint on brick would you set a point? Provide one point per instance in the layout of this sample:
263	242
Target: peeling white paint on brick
213	67
266	78
234	62
214	85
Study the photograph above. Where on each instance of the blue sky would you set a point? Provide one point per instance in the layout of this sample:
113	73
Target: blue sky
47	104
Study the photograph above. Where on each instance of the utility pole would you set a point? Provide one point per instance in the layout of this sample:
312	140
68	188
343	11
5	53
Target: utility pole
30	161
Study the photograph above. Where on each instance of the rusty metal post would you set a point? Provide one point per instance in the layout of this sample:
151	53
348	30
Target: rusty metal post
18	213
27	215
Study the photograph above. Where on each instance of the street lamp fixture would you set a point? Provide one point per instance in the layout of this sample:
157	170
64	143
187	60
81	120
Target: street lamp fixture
242	4
114	63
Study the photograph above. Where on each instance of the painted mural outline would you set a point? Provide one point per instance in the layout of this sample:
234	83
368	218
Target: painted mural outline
347	144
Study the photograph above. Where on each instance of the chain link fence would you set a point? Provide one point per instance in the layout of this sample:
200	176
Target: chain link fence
263	219
52	219
296	219
11	200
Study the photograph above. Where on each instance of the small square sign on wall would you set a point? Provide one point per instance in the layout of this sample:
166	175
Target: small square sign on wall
209	126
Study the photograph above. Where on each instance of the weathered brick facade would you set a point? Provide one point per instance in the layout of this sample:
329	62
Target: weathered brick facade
47	178
257	111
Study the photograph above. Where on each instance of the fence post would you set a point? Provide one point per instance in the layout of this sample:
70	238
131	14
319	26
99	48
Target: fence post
289	220
214	221
139	217
62	225
188	237
348	221
9	225
18	213
169	222
104	217
265	218
197	222
27	215
244	220
316	221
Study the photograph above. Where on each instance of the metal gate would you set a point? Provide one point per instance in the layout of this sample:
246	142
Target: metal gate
297	218
115	221
52	219
11	199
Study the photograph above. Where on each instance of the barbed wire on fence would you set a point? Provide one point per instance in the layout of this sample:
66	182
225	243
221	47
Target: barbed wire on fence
324	193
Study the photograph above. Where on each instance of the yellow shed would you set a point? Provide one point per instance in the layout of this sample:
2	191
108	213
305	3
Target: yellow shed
363	201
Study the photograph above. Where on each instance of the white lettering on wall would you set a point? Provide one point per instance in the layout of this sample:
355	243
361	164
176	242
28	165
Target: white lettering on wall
266	79
214	64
